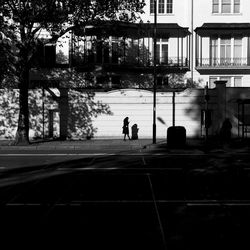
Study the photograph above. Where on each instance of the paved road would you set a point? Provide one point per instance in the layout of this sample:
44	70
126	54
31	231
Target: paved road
128	200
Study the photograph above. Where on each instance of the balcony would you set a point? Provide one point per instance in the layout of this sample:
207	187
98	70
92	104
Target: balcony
223	65
220	39
133	64
119	46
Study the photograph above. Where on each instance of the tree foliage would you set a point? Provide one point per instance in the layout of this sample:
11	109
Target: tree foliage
7	56
25	20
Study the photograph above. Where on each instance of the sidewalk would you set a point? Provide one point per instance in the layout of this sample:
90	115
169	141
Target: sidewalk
116	144
192	145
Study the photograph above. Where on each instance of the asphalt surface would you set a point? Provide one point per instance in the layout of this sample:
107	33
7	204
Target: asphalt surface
133	196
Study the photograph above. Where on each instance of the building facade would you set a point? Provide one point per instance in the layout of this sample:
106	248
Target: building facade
220	43
205	40
93	77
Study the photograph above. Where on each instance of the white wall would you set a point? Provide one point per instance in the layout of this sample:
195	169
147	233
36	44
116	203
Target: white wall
203	13
138	106
179	15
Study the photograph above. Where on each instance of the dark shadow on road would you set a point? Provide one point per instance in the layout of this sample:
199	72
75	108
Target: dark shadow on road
109	198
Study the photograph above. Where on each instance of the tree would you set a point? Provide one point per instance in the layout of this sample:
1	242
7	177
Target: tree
182	82
28	18
7	57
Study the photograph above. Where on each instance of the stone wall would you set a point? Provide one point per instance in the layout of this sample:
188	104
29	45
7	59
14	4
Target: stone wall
76	114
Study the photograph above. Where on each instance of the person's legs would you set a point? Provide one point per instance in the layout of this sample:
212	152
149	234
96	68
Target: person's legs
125	137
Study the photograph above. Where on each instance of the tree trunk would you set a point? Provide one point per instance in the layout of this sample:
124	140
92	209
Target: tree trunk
22	134
64	113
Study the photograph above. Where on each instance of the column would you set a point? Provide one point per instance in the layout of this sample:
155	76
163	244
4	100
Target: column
196	50
220	112
200	51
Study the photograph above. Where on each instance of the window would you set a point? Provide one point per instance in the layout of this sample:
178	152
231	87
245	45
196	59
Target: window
152	7
238	81
162	51
161	6
237	60
169	6
215	6
225	6
164	6
236	6
213	51
225	51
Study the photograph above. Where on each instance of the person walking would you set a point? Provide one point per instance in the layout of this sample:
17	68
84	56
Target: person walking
125	128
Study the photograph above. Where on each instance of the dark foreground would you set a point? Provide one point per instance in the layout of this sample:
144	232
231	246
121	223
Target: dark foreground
130	201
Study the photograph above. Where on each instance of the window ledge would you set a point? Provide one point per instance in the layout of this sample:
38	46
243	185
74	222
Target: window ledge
163	14
227	14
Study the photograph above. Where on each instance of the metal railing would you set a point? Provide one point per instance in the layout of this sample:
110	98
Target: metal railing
222	62
131	61
173	61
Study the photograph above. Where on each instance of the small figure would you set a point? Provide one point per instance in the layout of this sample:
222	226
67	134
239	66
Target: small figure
125	128
225	131
134	132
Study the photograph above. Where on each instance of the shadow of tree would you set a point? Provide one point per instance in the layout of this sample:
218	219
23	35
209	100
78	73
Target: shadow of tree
221	108
66	92
35	113
76	121
82	109
196	104
9	113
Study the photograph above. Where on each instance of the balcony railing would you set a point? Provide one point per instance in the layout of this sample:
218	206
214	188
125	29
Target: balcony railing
222	62
130	61
173	61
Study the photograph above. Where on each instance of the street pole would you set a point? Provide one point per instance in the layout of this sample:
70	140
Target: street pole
192	41
155	77
207	118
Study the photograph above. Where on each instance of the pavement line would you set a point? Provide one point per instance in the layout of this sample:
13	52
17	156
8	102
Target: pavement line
61	154
188	203
115	168
157	213
99	154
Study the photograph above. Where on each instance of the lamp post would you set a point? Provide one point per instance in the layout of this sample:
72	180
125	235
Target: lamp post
207	113
155	77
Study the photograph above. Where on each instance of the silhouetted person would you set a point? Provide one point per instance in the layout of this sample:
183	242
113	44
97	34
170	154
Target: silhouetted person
134	130
225	131
125	128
